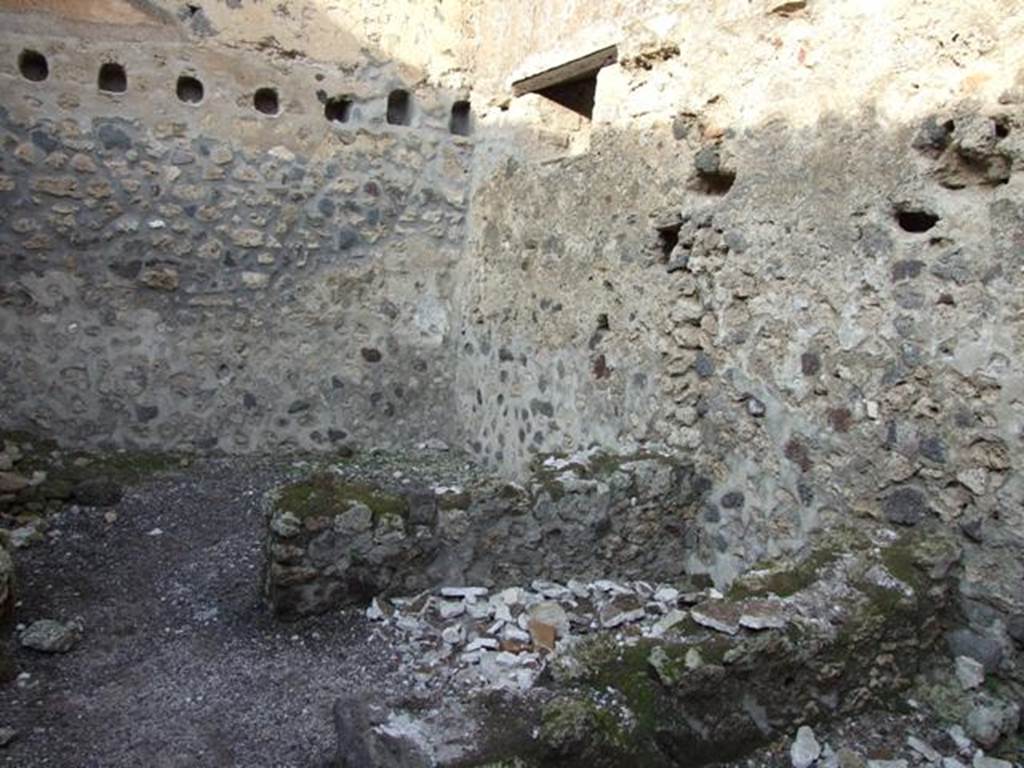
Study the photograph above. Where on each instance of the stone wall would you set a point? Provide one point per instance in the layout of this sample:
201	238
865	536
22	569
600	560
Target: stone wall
200	274
425	39
360	529
791	250
737	267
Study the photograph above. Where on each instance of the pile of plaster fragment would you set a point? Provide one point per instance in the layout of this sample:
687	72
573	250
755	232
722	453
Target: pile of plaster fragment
503	639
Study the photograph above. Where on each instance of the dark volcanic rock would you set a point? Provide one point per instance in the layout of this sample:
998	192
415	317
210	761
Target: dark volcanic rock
97	492
906	506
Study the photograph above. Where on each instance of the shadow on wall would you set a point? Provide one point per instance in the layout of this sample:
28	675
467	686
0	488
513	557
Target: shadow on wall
210	282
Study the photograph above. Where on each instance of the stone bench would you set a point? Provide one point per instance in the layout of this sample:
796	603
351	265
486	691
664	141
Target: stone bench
347	533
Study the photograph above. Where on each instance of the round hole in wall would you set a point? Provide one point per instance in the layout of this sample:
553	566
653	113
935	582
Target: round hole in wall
338	109
916	221
190	89
265	100
33	66
112	78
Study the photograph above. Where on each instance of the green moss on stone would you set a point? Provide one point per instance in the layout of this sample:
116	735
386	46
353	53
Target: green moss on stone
67	468
128	466
551	485
783	579
944	695
461	500
571	727
641	673
326	495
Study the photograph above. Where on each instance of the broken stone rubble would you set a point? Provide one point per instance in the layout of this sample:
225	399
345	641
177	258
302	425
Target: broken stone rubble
679	669
806	752
503	639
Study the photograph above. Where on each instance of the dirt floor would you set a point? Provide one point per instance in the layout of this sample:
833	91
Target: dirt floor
182	665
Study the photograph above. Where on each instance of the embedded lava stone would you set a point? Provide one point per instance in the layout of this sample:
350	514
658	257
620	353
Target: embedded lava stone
734	500
906	506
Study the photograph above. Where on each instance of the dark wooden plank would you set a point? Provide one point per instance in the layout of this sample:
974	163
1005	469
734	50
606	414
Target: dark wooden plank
566	73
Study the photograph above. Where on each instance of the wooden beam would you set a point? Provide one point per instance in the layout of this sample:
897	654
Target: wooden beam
576	69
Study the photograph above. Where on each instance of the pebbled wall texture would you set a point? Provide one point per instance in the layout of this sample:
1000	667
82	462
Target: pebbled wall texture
204	275
787	244
791	248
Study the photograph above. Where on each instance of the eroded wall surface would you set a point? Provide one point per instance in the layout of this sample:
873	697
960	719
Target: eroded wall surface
791	251
202	274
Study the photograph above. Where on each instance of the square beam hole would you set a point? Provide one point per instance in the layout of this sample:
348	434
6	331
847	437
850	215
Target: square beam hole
573	85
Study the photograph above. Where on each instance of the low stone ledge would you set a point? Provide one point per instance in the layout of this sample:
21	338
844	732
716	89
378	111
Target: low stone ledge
346	534
860	618
39	479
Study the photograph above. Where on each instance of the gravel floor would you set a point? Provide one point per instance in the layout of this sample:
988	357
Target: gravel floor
180	665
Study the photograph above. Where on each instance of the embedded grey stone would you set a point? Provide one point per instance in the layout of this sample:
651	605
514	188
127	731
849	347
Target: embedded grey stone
49	636
704	366
805	749
982	760
934	449
969	672
992	719
358	518
1015	628
422	507
733	500
906	506
934	136
285	524
11	482
112	137
708	160
966	642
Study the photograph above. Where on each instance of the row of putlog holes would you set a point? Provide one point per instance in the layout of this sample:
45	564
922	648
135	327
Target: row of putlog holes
113	78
